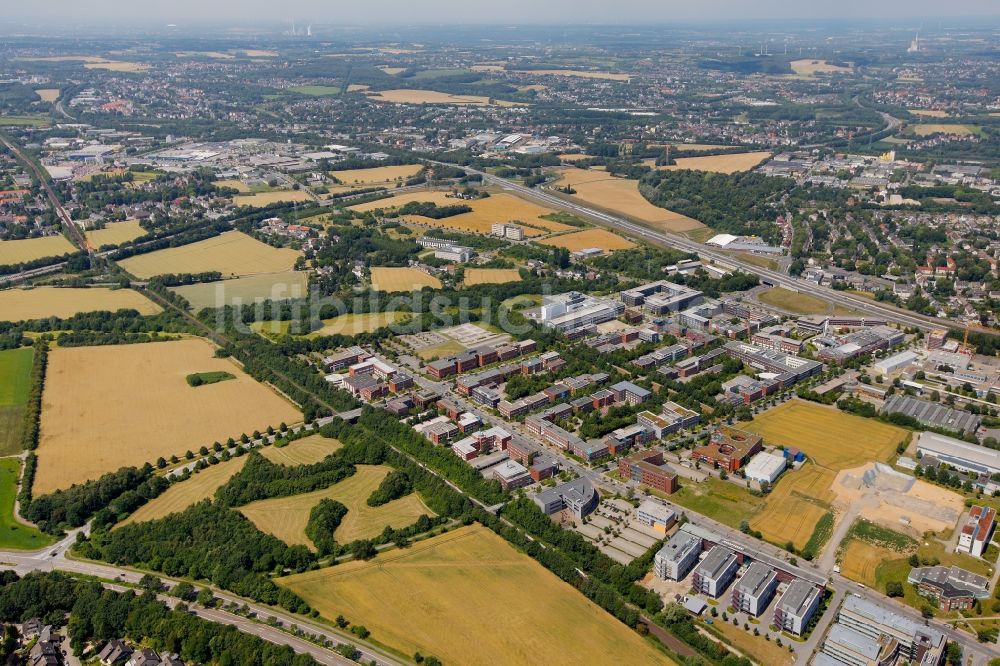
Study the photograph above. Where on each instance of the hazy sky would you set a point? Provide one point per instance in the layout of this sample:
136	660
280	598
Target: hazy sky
499	12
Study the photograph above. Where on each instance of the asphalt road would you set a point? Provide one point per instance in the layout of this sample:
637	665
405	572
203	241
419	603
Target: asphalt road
776	278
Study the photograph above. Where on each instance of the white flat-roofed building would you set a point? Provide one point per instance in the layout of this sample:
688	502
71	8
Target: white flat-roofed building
960	455
797	606
656	515
712	576
765	467
755	588
887	366
678	555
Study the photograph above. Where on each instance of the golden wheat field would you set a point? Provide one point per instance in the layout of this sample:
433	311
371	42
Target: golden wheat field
589	238
234	184
416	599
810	67
64	302
929	113
261	199
831	438
576	73
357	87
260	53
402	279
732	163
48	94
491	275
118	66
621	195
286	517
115	233
306	451
118	405
274	286
484	214
232	254
860	560
926	129
407	96
183	494
795	504
29	249
386	175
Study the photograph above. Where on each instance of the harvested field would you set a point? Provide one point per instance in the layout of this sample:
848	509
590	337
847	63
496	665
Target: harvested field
831	438
491	275
118	66
792	301
138	406
234	184
29	249
48	94
387	175
402	279
15	384
392	71
306	451
413	600
286	517
795	505
809	67
348	324
731	163
64	302
356	87
488	67
621	195
485	212
860	559
574	157
576	73
232	254
926	129
274	286
589	238
183	494
926	113
261	199
260	53
115	233
407	96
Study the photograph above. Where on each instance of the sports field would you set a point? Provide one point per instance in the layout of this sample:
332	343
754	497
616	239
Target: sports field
287	517
387	175
15	383
485	212
576	73
64	302
29	249
831	438
137	406
795	505
589	238
809	67
306	451
621	195
491	275
232	254
792	301
48	94
274	286
731	163
261	199
406	96
115	233
402	279
183	494
415	599
13	533
925	129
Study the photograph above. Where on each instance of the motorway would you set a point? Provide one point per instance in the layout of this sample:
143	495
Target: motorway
775	278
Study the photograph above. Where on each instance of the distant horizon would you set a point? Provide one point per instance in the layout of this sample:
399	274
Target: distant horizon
554	13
